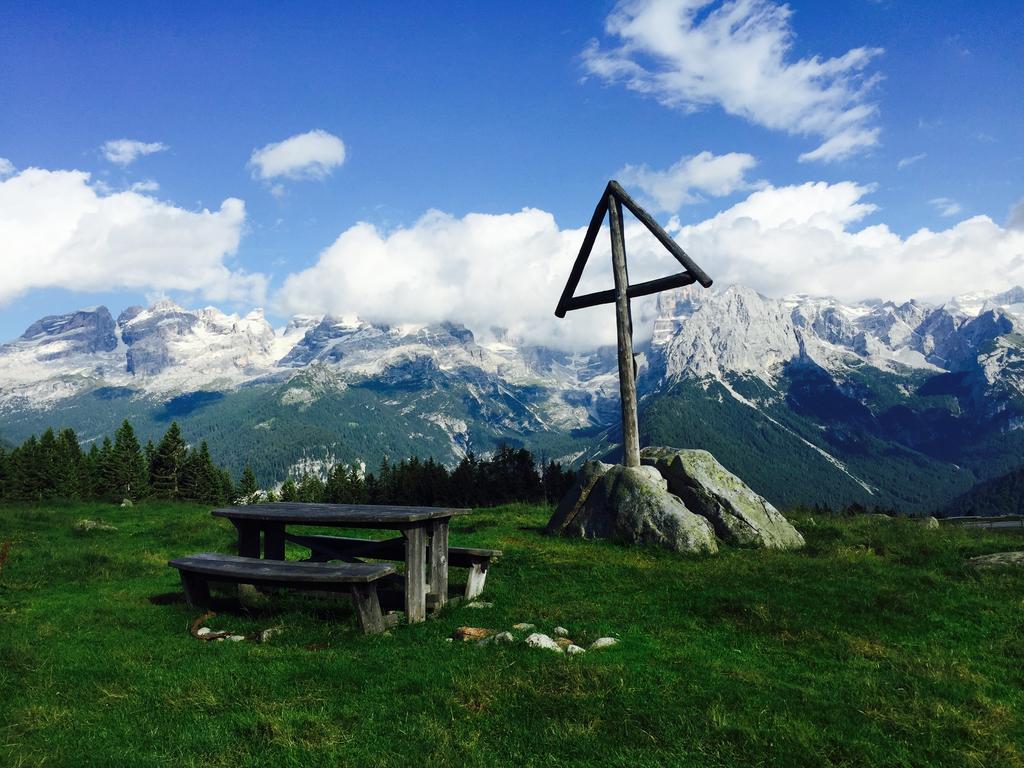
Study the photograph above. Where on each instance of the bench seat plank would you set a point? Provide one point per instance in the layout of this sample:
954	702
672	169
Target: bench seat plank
233	567
359	579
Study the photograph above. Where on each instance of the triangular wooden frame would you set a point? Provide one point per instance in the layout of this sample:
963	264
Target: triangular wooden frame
691	272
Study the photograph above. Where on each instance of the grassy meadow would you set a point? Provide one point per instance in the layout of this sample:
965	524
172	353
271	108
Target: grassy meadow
874	646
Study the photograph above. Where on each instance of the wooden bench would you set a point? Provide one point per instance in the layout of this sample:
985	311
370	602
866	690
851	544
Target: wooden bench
359	579
324	548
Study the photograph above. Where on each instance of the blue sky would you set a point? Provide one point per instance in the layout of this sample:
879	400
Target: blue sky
492	108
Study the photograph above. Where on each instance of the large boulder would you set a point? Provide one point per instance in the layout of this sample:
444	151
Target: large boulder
634	506
576	496
739	515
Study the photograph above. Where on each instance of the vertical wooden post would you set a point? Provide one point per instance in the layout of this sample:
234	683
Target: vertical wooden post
439	562
273	541
624	326
415	574
248	538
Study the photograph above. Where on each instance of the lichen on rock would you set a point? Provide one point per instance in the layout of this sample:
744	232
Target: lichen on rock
739	515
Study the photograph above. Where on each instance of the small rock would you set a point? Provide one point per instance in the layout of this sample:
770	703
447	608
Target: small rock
471	633
486	641
997	560
203	631
236	638
563	642
479	604
929	522
504	637
93	525
538	640
267	634
560	632
603	642
572	650
523	627
126	504
219	639
449	640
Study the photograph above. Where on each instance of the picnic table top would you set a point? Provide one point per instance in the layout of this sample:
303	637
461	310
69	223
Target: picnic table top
337	514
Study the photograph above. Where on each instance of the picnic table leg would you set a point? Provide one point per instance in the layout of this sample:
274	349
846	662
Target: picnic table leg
415	574
273	541
439	562
248	538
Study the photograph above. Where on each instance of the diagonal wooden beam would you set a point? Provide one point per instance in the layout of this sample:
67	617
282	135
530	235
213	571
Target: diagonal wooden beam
584	254
663	237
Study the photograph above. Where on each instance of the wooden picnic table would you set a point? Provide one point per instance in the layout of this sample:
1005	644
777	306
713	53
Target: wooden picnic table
417	526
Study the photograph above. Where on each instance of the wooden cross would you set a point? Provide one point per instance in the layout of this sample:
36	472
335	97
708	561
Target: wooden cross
611	203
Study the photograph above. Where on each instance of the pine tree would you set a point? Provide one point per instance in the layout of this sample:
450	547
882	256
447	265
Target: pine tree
70	479
168	461
247	488
129	473
289	490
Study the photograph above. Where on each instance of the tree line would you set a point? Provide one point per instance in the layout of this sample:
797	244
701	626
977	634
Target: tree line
54	466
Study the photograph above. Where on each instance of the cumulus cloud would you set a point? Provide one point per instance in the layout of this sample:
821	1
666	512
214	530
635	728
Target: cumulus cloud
59	230
691	54
907	161
124	152
312	155
6	168
508	270
808	238
684	181
946	206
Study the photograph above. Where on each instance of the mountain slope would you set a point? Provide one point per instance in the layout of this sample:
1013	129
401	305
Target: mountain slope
810	399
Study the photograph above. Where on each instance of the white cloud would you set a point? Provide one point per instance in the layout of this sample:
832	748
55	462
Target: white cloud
145	186
60	231
690	54
946	206
126	151
684	181
508	270
805	238
6	168
907	161
312	155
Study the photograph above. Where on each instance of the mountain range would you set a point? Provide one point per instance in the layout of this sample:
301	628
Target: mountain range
809	399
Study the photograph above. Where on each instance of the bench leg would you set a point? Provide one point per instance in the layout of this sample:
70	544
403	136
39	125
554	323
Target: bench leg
273	541
248	538
415	574
364	597
197	590
477	577
439	562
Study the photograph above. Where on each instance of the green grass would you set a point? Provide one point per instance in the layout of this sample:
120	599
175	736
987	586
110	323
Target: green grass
874	646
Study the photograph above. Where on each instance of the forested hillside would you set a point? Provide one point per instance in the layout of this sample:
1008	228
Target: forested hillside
1002	495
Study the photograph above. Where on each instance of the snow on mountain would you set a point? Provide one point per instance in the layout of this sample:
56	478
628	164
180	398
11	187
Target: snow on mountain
736	330
165	350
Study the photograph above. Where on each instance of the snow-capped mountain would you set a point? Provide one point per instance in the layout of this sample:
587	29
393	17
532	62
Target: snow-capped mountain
821	373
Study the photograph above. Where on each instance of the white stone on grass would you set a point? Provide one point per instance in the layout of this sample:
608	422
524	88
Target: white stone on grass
236	638
504	637
479	604
523	626
560	632
572	650
538	640
603	642
203	631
